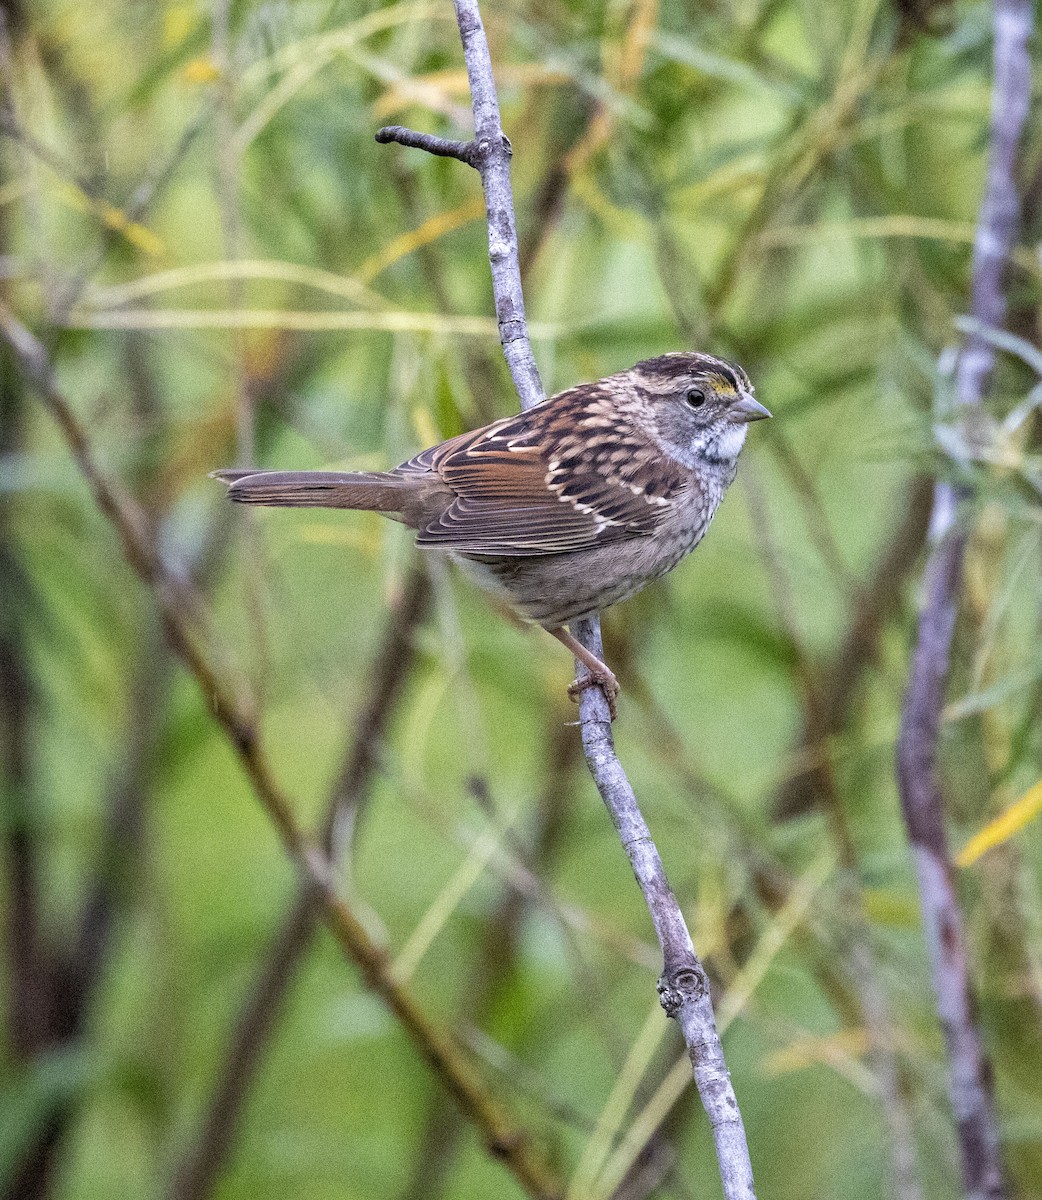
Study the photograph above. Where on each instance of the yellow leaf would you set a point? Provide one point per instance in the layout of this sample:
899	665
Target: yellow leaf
1003	827
139	236
201	70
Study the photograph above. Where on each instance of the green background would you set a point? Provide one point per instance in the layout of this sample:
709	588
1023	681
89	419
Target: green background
789	183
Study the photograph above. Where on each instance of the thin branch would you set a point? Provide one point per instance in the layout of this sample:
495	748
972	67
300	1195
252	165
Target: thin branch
684	985
453	1067
922	801
877	603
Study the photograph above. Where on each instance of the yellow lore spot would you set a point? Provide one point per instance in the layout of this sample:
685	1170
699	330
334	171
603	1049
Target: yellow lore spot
721	385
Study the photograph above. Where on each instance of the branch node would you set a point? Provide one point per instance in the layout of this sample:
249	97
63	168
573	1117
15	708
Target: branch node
680	985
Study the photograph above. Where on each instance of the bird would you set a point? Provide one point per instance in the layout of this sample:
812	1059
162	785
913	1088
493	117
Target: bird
568	507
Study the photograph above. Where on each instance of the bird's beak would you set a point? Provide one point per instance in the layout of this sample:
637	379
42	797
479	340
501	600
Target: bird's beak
747	409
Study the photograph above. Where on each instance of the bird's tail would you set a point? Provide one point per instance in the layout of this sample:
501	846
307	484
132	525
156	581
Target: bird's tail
374	491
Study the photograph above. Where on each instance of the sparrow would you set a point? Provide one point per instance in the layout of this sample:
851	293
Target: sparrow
568	507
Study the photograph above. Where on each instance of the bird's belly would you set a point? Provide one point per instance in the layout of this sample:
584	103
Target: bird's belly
553	589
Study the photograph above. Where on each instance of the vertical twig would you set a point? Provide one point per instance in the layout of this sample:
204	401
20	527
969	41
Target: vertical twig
917	768
684	985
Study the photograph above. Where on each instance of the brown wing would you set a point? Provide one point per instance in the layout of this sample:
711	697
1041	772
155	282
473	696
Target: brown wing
565	476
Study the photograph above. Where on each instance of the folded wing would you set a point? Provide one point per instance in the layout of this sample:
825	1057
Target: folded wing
540	484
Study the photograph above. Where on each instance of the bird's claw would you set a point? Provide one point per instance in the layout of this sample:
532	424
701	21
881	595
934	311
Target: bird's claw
608	684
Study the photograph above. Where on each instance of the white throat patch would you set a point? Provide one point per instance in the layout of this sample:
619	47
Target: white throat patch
729	443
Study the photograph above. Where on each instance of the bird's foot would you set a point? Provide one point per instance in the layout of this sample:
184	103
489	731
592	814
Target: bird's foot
605	680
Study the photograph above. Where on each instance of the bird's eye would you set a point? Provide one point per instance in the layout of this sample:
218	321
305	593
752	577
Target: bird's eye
695	397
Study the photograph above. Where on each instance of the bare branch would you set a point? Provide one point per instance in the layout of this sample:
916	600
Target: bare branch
919	782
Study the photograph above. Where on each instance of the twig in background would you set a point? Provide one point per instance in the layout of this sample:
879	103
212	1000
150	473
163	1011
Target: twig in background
877	603
684	985
919	781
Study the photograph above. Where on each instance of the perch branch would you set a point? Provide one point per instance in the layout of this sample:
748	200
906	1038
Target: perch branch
919	780
452	1066
684	985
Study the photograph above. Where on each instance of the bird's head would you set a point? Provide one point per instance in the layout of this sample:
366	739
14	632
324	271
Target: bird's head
701	406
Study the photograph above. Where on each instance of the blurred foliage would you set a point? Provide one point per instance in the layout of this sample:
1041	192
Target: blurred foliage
793	183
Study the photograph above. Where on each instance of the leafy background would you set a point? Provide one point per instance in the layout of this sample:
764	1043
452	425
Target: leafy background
792	183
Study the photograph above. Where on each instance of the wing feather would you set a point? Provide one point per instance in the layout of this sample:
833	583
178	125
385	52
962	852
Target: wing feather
549	481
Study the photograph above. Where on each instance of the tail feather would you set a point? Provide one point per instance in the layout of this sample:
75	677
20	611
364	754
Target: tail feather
374	491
